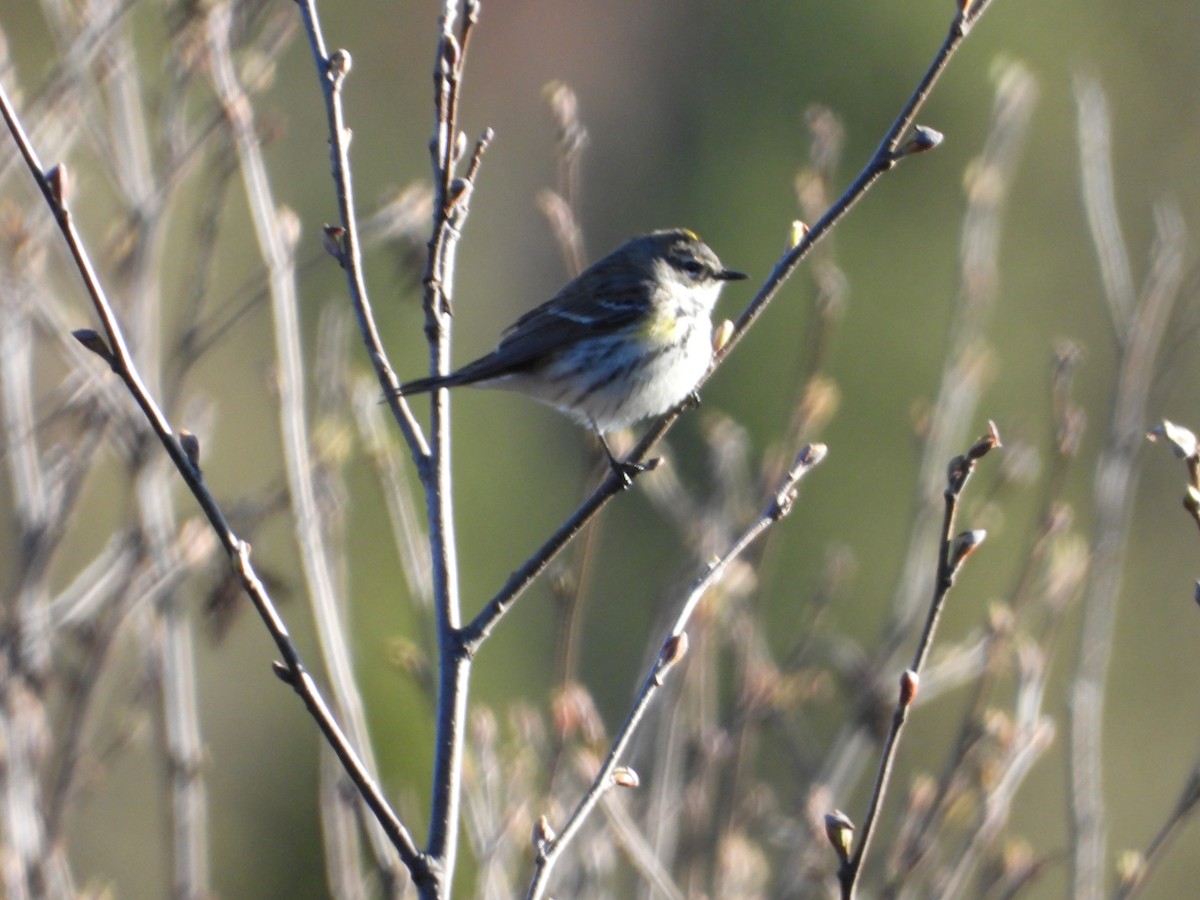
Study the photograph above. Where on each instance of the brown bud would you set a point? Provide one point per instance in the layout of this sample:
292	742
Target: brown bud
964	545
625	777
543	835
340	63
333	238
840	832
60	184
985	444
190	444
910	683
673	651
721	335
94	342
923	139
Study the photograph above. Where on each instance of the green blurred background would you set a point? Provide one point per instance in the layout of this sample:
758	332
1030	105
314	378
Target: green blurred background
695	114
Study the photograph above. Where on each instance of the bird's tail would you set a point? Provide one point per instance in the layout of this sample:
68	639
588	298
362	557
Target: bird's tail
433	382
481	372
422	385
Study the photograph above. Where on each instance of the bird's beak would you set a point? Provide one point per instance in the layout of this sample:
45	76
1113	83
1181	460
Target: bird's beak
730	275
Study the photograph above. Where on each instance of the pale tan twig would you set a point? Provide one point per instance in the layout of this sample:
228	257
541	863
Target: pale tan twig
111	347
276	239
550	849
1139	337
952	552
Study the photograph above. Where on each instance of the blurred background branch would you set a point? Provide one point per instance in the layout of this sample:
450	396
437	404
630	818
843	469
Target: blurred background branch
145	749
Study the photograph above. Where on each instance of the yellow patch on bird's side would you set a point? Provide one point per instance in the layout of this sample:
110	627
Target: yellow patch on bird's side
661	327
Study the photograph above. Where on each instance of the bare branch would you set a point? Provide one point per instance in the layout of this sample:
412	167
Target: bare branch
952	552
886	156
238	550
674	648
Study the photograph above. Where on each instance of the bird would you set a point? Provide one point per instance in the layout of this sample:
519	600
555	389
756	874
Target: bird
628	338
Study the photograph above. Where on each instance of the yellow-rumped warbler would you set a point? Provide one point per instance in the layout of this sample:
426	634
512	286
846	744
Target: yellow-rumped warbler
629	338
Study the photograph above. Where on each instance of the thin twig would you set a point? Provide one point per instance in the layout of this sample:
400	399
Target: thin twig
112	347
956	404
451	206
332	70
560	208
1138	873
991	177
639	851
40	514
172	641
339	827
1032	735
276	246
673	650
952	552
1095	168
1139	339
891	150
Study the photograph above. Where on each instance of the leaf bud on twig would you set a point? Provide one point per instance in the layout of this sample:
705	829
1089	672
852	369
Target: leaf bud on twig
60	184
840	832
543	835
94	342
910	683
673	651
625	777
923	139
190	444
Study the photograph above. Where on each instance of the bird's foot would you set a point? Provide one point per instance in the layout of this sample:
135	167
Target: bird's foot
627	470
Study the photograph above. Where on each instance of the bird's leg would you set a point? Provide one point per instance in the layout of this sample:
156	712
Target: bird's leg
624	469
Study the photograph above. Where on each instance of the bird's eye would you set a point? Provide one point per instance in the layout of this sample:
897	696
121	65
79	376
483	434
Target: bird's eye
693	267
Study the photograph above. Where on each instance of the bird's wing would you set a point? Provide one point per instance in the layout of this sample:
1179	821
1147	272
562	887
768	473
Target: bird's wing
571	315
555	325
